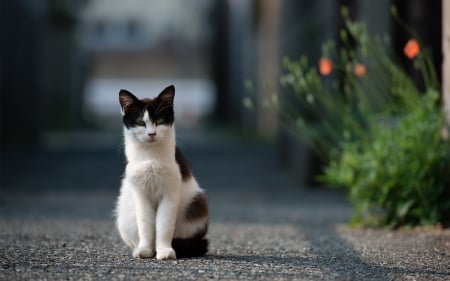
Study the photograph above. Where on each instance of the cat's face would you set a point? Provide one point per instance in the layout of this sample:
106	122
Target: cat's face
148	120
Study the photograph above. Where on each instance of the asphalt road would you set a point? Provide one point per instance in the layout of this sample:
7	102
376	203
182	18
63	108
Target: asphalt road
56	223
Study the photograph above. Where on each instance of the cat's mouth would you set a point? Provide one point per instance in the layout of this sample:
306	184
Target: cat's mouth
150	139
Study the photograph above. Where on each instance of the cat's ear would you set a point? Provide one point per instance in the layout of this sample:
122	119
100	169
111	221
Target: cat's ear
167	95
127	100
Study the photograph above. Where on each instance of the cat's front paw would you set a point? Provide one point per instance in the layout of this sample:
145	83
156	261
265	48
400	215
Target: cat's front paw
166	254
143	252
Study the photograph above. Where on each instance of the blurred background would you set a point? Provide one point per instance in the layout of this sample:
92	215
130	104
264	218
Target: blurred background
62	64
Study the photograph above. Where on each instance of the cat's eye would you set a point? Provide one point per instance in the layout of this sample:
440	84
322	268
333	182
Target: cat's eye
140	123
159	121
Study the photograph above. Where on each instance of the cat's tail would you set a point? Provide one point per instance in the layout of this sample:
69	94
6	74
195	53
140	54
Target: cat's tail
190	247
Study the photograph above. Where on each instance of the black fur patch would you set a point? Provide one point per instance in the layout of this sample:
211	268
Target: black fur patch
198	208
190	247
195	246
182	162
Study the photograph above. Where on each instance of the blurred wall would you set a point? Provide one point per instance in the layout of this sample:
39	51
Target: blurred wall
234	56
305	25
253	36
18	72
41	69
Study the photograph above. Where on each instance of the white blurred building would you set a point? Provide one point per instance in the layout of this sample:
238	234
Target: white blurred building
144	24
143	46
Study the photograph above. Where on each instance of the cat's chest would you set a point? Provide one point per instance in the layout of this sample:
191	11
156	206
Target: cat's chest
152	174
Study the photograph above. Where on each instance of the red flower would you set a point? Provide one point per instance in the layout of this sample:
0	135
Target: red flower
360	70
325	66
412	49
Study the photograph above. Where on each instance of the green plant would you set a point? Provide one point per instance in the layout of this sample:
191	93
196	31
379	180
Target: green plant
401	175
377	131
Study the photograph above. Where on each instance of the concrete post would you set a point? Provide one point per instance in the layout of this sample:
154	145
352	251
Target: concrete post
446	65
268	64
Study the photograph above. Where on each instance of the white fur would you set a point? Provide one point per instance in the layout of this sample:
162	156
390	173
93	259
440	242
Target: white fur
153	198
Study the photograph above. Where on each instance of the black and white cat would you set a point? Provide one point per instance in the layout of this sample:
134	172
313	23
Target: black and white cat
161	210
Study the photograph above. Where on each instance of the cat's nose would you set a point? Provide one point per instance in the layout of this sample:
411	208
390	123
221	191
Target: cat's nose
152	134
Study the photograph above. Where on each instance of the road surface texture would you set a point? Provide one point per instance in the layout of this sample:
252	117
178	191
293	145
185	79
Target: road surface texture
56	222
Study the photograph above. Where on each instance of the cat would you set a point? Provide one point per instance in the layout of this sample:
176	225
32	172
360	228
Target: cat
161	210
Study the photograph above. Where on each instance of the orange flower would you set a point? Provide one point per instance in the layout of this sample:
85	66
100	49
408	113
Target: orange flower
325	66
360	70
412	49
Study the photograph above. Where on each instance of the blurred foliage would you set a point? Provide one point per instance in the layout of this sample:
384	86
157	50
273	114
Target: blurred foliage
377	131
400	175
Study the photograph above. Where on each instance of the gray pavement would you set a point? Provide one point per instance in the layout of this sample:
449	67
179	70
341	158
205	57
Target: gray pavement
56	222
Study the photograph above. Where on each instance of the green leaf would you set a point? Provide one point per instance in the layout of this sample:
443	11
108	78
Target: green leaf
404	208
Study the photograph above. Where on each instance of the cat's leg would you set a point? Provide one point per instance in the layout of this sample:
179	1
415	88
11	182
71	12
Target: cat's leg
137	178
165	225
145	220
126	216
